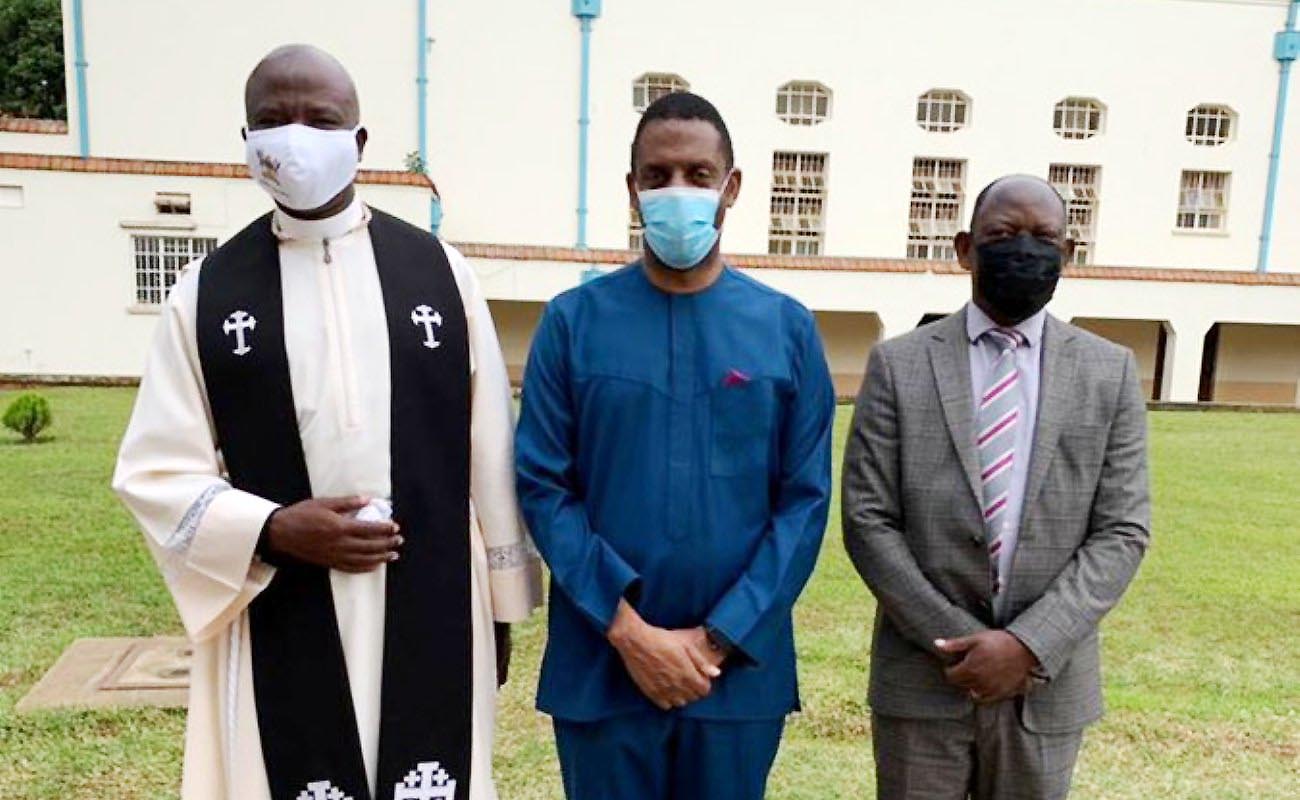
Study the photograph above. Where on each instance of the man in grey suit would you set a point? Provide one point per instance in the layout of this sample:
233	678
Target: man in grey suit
996	503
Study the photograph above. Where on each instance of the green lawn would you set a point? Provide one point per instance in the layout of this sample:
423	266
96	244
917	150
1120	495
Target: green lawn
1202	658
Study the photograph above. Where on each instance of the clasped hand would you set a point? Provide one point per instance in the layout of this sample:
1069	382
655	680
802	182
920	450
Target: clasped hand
322	531
671	667
990	665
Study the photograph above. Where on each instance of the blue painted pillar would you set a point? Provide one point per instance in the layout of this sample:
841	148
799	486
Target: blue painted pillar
80	64
422	103
586	11
1286	48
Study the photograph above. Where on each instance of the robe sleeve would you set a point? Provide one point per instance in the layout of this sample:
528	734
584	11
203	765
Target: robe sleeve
759	602
514	567
200	530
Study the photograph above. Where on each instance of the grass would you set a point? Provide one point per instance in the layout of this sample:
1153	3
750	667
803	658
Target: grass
1202	659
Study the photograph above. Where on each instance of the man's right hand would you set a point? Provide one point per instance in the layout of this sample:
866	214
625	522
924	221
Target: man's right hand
663	663
322	531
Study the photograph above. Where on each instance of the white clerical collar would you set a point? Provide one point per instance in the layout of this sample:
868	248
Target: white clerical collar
289	228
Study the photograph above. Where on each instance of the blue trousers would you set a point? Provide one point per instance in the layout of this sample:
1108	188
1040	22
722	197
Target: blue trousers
655	756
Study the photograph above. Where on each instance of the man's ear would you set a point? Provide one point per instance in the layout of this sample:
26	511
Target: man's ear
363	136
1067	252
963	244
731	192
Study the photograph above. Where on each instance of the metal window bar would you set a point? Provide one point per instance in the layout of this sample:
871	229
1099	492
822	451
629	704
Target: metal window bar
1076	118
160	259
941	111
803	103
635	231
1209	126
935	210
1203	201
1078	185
797	208
654	85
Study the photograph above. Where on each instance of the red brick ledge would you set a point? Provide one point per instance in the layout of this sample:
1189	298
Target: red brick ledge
186	169
26	125
511	252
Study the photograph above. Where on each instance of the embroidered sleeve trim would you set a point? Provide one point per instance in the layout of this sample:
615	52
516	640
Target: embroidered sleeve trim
511	556
177	546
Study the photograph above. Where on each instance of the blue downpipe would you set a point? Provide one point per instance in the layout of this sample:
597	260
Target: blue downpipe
1286	48
79	62
584	125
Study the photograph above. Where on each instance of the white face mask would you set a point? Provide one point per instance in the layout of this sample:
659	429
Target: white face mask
302	167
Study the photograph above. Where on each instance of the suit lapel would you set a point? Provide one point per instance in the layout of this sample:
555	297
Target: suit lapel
950	359
1060	359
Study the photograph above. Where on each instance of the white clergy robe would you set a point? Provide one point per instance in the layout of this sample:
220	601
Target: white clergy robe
203	532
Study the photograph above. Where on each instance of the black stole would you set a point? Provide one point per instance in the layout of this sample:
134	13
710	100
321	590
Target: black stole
300	682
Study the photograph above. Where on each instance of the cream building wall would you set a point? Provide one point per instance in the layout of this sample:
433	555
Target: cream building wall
69	299
165	83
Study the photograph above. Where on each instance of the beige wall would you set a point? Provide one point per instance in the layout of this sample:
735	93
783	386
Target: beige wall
67	267
165	81
847	339
1258	364
515	323
1140	336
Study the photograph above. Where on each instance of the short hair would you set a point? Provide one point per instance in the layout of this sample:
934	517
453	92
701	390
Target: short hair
685	105
987	190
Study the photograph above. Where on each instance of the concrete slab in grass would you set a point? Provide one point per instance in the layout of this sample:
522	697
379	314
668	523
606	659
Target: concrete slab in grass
115	673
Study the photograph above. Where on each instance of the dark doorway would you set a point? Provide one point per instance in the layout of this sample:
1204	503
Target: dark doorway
1209	364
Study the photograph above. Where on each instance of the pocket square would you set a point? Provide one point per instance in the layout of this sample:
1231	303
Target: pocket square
735	378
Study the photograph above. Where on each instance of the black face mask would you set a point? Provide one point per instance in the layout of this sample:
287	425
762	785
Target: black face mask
1018	276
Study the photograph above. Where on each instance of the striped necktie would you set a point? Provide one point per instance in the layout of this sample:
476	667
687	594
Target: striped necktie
996	421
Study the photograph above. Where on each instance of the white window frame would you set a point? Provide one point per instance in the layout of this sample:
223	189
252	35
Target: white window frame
1079	118
803	102
1080	187
943	110
936	206
651	86
1210	125
158	260
1203	198
797	223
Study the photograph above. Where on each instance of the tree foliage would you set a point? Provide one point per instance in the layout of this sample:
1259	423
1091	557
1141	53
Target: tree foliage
31	59
28	415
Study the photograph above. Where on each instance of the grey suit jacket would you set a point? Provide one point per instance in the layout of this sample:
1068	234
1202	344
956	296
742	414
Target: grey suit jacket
913	527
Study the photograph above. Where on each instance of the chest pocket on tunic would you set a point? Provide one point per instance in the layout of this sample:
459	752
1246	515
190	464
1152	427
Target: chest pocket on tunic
741	417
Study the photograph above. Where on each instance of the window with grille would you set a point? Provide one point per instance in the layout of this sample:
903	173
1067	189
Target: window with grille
798	204
1078	118
1203	201
1079	186
1209	126
803	103
159	259
654	85
942	110
938	195
635	231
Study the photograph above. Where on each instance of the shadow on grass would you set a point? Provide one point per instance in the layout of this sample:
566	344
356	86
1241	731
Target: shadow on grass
10	442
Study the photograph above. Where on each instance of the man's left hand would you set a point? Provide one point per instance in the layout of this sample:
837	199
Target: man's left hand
504	648
698	639
992	665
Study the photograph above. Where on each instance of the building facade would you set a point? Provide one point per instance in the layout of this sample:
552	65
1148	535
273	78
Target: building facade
864	130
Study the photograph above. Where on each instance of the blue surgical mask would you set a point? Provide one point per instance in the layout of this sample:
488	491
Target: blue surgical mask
680	224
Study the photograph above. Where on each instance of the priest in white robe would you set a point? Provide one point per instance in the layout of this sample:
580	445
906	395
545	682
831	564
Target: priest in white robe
217	545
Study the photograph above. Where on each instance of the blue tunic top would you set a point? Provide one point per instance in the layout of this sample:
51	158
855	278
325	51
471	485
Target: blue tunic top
675	449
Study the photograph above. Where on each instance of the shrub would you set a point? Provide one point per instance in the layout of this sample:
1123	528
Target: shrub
28	415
